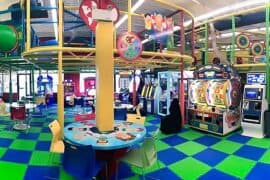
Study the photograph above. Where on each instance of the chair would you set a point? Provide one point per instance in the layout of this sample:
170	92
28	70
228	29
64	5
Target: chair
18	115
136	118
57	145
144	156
80	161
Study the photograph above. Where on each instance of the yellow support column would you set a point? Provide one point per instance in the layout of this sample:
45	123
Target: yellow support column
104	79
28	25
60	87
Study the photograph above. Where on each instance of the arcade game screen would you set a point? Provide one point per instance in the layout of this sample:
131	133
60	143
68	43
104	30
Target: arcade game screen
197	91
216	93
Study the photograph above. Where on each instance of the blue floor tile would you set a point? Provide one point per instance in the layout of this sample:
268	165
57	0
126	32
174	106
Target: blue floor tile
46	130
18	156
4	142
154	121
260	172
151	128
239	138
124	172
170	156
210	157
32	136
215	174
41	172
43	145
174	140
207	140
250	152
164	173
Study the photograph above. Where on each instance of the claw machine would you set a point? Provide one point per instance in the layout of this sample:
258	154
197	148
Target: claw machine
168	88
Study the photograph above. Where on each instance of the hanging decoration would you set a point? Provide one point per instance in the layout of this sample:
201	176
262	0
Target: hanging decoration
129	46
160	27
242	41
87	7
257	48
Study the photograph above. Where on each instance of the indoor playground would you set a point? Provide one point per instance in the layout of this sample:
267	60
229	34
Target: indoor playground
134	89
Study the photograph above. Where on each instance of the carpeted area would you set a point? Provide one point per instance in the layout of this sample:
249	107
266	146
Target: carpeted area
188	155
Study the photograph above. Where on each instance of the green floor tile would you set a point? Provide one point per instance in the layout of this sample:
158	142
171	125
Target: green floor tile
35	130
23	144
236	166
158	165
161	145
43	158
263	143
134	178
64	175
45	137
190	135
9	134
226	146
12	171
2	152
266	157
190	148
189	168
37	120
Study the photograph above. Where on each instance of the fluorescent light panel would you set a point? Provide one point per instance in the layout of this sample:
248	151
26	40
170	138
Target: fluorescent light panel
133	9
54	18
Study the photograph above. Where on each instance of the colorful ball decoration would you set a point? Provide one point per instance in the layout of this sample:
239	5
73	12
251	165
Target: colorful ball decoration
129	46
257	48
9	38
242	41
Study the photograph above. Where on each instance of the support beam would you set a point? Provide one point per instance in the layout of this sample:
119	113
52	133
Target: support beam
60	86
105	76
182	51
206	43
233	41
267	11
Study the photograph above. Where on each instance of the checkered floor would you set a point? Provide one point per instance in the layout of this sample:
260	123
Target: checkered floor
189	154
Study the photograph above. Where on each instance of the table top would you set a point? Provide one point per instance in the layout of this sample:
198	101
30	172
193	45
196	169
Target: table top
125	134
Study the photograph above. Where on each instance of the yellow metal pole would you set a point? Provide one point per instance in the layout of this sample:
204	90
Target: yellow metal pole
60	88
105	76
129	16
28	25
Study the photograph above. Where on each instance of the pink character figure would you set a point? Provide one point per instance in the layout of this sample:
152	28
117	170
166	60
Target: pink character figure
85	11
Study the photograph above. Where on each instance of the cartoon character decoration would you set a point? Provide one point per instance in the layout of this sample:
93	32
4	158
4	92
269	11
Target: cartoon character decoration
160	27
87	7
129	46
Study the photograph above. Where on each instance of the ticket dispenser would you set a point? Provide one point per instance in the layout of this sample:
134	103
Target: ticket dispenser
254	105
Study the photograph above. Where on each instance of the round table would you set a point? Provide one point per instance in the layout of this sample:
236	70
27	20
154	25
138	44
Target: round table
125	134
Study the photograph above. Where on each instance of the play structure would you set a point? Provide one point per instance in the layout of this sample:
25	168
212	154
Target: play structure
9	38
254	105
214	99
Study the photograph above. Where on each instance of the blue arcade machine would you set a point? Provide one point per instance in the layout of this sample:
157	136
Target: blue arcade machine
45	88
254	105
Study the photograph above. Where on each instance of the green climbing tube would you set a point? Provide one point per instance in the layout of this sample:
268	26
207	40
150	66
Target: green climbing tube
9	38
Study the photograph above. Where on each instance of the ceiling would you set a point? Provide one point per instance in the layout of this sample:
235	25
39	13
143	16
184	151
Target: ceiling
196	7
199	8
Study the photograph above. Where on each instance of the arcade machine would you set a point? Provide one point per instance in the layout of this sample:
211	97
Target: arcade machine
148	94
45	89
168	83
214	99
122	86
90	89
69	93
254	105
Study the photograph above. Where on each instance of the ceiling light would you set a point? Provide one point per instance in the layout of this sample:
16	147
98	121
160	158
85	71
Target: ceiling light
197	2
54	18
133	9
229	9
